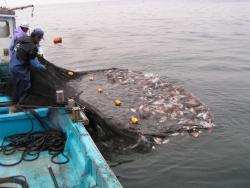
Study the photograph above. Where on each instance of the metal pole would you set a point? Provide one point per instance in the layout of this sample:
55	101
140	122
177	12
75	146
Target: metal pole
22	7
53	176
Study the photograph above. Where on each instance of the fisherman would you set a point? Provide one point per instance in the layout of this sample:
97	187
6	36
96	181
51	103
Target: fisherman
19	32
25	55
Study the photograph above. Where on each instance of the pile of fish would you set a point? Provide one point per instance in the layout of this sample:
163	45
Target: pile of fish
161	108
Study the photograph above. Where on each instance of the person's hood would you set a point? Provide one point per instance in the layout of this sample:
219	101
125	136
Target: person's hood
18	33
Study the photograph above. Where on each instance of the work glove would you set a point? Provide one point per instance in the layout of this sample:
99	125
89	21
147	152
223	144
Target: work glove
40	52
37	65
42	67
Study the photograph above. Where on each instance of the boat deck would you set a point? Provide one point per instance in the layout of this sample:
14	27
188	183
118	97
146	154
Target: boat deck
86	166
65	173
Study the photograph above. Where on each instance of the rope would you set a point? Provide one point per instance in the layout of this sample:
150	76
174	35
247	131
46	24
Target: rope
32	143
19	180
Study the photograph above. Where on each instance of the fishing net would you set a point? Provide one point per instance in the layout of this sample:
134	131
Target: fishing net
148	111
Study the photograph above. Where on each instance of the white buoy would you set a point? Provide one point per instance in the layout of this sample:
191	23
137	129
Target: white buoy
60	96
71	103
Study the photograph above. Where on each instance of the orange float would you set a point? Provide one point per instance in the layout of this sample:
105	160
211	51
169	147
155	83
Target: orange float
57	40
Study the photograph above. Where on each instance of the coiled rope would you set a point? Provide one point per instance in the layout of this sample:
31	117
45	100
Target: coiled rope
32	143
19	180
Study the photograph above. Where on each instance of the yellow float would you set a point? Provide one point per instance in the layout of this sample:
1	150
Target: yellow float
134	120
70	73
99	90
118	102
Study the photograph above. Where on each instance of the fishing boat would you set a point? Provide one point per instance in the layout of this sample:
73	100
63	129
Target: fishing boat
45	146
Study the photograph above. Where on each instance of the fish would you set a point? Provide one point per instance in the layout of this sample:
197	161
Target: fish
159	141
133	110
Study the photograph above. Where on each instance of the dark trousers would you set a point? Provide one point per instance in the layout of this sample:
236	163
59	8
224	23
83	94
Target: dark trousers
22	87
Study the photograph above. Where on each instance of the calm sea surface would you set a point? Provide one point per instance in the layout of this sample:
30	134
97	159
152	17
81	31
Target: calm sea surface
201	45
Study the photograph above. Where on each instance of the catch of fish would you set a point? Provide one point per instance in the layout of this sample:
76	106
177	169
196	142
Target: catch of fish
161	108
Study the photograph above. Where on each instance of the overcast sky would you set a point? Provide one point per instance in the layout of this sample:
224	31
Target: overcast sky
11	3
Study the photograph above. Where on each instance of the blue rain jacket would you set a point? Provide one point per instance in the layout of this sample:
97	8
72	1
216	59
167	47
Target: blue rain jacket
21	68
20	73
